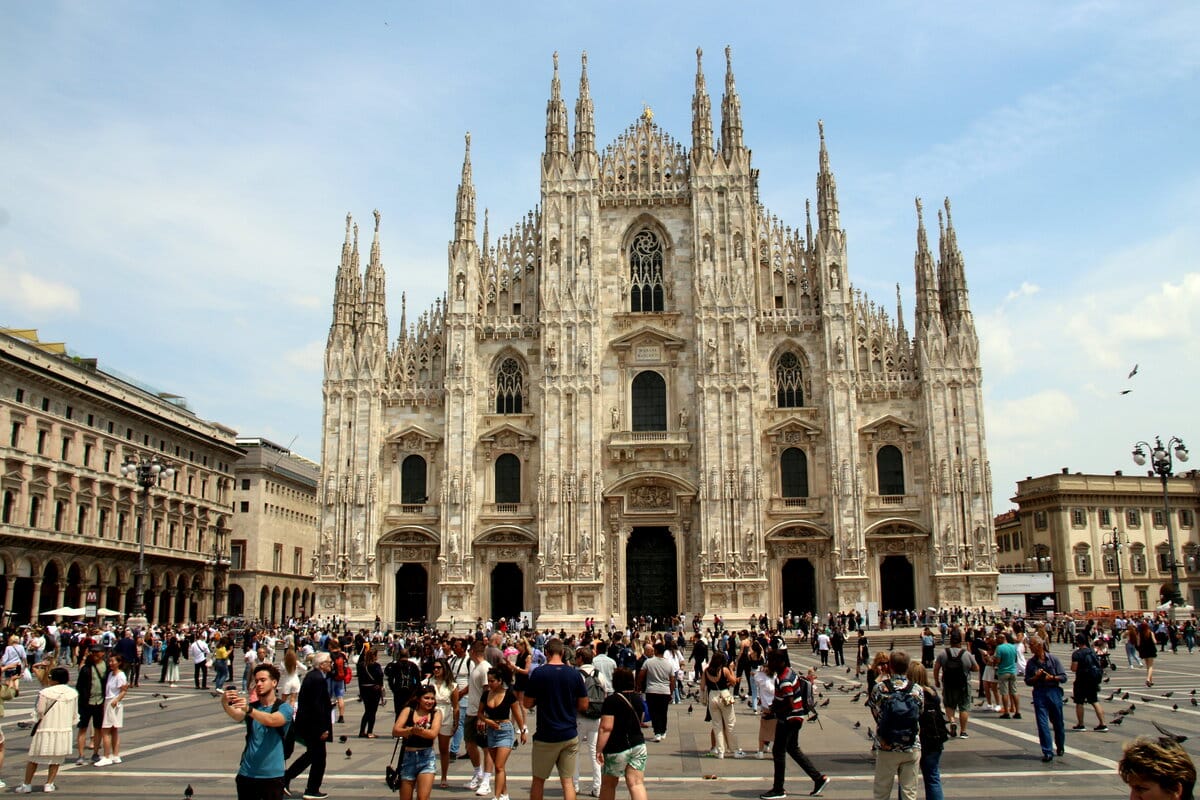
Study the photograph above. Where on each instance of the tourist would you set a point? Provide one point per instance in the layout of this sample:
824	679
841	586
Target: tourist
261	769
447	702
289	677
56	709
793	701
89	686
934	732
951	672
1157	769
657	679
717	692
1006	677
1089	672
1045	673
1147	649
896	705
418	724
620	744
172	652
588	721
500	717
315	726
10	687
765	683
115	689
370	689
476	687
558	692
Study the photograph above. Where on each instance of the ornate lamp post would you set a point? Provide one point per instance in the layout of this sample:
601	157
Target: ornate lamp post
220	563
1163	464
148	472
1114	544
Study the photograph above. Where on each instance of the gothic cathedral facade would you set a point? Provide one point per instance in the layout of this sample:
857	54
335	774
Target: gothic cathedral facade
651	396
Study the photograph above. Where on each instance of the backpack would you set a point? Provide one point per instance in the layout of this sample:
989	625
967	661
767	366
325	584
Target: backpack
342	669
1090	668
595	694
954	673
899	716
289	735
935	731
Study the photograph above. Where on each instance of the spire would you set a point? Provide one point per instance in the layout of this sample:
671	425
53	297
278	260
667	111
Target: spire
556	123
952	279
354	288
374	306
928	305
485	232
585	117
900	315
464	212
702	130
731	112
808	222
403	316
343	299
827	204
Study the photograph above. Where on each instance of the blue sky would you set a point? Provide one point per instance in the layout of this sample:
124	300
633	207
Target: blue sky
175	177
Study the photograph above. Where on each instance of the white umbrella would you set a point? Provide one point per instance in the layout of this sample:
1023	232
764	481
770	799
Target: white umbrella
65	611
107	612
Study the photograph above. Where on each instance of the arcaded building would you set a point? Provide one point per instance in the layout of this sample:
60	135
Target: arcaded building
649	395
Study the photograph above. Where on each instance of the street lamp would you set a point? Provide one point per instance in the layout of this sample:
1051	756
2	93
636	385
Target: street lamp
147	472
1163	465
1115	544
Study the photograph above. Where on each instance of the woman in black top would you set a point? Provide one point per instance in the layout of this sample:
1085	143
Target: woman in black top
620	745
498	710
418	725
370	688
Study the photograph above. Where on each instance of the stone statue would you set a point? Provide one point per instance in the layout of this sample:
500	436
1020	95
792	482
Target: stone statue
585	550
553	548
683	419
748	546
616	418
458	358
585	255
460	287
741	353
710	346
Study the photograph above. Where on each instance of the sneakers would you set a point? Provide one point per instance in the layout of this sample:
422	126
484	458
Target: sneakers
1101	729
23	788
594	792
476	779
963	735
116	759
714	753
95	757
505	797
658	737
1017	715
1079	727
79	762
49	787
315	795
3	784
1005	715
104	762
773	794
739	753
760	755
485	788
820	787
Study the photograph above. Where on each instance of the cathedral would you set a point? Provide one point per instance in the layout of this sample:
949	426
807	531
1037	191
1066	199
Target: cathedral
650	396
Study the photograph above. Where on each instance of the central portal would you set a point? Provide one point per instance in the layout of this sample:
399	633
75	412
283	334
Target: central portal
651	584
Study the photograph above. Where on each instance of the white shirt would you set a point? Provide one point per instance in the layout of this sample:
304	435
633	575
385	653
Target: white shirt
198	651
115	683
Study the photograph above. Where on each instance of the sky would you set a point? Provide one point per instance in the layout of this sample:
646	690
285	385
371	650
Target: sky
174	178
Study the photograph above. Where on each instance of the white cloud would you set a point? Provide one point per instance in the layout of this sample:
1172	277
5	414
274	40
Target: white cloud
1031	417
309	357
1026	289
26	292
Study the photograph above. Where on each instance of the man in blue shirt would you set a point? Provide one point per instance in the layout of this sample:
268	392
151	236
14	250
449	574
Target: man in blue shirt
560	695
1045	673
260	773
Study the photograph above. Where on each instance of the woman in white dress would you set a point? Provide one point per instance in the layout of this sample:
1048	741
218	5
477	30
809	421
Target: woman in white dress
114	711
57	712
290	677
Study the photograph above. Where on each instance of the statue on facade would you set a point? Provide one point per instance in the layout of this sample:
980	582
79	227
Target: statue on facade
683	419
585	549
616	417
553	548
460	286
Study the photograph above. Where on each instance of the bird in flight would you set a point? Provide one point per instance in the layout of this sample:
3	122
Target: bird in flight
1126	391
1133	371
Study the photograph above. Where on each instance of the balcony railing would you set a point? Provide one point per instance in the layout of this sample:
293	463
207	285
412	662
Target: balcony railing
796	505
508	510
893	502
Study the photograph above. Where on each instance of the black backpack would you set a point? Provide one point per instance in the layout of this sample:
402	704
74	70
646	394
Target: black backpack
954	673
595	694
1090	668
899	716
289	735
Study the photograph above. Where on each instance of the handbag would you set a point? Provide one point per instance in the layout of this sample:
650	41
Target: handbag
34	728
726	697
391	773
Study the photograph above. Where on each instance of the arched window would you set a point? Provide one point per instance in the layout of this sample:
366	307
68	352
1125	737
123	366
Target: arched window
508	479
793	473
35	507
889	468
646	272
509	383
789	386
649	395
412	481
9	501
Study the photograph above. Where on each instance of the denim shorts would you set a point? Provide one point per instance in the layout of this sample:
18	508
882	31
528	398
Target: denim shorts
504	736
337	689
418	762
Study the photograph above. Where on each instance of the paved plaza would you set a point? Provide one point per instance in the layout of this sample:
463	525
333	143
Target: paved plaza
191	741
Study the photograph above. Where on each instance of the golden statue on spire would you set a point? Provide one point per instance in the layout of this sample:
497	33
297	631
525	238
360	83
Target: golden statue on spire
647	112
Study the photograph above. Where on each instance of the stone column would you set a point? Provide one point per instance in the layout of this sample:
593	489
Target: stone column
62	594
123	591
9	592
157	603
37	598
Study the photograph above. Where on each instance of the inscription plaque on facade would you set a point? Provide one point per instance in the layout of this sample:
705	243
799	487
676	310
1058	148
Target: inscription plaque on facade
648	353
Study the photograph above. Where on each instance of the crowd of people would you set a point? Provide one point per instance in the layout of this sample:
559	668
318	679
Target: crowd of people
601	696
